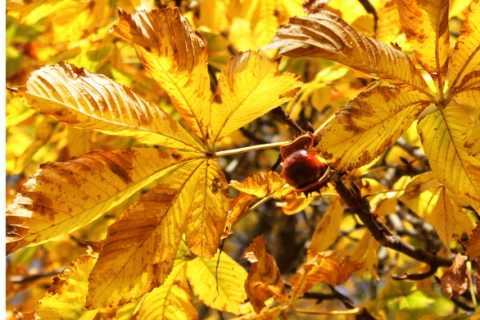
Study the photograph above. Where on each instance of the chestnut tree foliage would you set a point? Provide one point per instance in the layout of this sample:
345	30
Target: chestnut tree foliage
243	159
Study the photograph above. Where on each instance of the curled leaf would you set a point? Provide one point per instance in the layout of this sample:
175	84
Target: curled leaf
264	279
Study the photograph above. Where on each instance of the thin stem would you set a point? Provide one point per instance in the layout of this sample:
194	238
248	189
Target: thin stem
252	148
258	204
470	282
324	124
335	312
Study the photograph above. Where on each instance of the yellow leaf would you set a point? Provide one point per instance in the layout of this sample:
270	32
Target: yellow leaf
426	25
367	252
261	185
442	217
213	15
465	57
90	101
64	196
206	220
66	298
171	301
442	134
388	23
469	90
327	230
142	243
222	290
30	12
249	86
420	184
329	266
238	209
325	35
264	279
78	142
473	244
177	57
368	125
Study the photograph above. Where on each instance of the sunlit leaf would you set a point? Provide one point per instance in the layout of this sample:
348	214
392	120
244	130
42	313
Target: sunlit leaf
89	101
177	57
141	244
466	57
327	229
442	138
329	266
325	35
426	25
368	125
263	184
249	86
264	279
469	91
64	196
220	288
366	251
66	298
171	301
30	12
442	217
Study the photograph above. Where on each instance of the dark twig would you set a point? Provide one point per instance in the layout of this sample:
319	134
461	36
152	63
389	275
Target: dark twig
416	276
379	230
283	116
32	277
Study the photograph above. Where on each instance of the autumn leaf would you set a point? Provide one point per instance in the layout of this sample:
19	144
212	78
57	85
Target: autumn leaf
366	252
442	138
368	125
455	280
465	57
330	267
88	101
325	35
327	229
473	244
62	197
264	279
176	56
241	89
218	288
140	246
261	185
426	27
170	301
66	298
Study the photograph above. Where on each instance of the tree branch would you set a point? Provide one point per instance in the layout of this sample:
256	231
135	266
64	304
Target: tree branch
379	230
283	116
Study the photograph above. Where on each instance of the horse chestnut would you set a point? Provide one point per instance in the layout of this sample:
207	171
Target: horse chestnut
302	168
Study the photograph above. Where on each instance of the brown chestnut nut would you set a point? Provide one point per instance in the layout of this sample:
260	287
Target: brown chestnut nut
302	168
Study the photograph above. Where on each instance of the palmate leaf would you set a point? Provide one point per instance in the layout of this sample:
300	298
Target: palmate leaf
84	100
248	81
64	196
426	25
469	91
325	35
140	246
177	57
442	136
368	125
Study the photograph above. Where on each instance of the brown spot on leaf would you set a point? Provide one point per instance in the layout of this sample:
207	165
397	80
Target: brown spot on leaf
217	98
118	170
289	94
176	156
112	232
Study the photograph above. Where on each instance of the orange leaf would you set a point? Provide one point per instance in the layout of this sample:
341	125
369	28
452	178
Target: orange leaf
473	244
455	280
264	280
329	266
